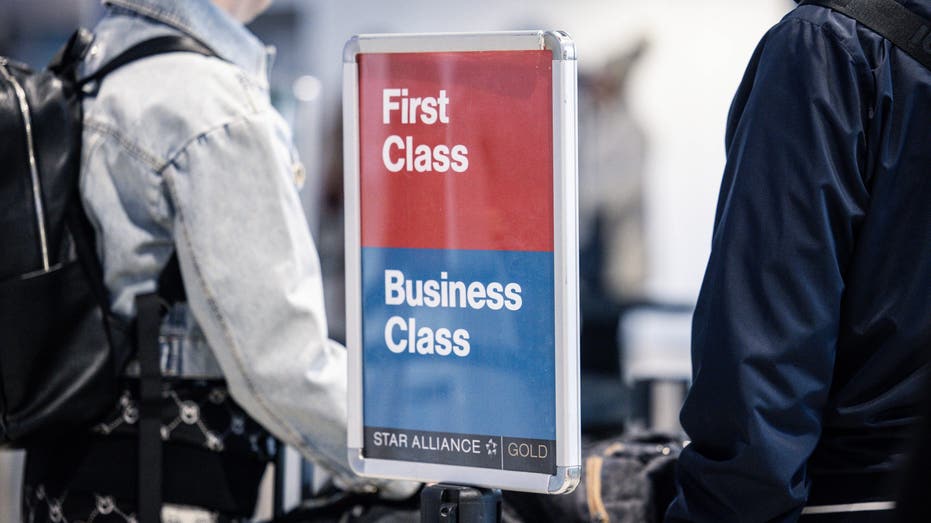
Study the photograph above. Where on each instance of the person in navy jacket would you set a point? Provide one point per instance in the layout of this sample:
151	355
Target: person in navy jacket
814	315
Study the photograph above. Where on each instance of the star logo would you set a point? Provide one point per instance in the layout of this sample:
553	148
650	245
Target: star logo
491	447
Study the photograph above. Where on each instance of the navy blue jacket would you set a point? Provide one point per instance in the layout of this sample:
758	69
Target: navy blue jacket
810	331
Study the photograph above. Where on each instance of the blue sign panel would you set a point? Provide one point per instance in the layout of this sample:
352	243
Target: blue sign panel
452	339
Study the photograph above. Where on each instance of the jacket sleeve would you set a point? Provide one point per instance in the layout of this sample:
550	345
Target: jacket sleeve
253	282
766	324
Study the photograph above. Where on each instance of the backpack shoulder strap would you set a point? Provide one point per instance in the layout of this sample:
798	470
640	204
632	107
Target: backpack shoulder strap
152	47
905	29
70	55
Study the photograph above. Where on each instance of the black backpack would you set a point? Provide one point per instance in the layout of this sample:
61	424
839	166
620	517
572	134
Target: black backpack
60	350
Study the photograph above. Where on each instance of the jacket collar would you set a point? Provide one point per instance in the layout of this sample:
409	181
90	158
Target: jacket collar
202	20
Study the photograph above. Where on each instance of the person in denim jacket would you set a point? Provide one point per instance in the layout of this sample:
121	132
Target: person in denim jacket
184	153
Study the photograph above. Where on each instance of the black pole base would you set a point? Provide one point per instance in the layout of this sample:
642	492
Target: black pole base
443	503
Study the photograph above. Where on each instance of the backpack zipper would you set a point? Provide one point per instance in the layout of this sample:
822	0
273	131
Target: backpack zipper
33	169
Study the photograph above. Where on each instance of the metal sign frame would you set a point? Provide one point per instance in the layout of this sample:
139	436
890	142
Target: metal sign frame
565	252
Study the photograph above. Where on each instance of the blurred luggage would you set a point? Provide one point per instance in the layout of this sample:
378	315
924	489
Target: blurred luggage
626	479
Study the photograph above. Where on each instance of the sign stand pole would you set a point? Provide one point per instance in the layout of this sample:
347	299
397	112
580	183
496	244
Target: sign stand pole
443	503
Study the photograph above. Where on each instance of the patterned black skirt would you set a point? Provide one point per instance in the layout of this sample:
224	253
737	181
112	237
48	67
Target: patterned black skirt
214	457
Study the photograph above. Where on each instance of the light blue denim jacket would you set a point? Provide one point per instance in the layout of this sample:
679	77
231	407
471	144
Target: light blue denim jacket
185	152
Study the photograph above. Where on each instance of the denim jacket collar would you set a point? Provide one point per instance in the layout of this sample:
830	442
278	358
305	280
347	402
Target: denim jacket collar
207	22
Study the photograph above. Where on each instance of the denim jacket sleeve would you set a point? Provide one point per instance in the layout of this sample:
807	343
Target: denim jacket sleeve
766	325
253	282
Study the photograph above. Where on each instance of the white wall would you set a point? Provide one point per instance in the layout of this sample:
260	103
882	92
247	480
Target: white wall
682	96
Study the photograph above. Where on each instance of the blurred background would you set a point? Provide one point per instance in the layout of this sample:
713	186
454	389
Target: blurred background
655	83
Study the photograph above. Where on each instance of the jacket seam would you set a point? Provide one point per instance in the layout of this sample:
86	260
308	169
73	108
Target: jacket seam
865	73
172	157
132	148
153	161
134	153
89	150
837	39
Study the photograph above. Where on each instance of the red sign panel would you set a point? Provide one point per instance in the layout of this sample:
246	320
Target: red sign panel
453	151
